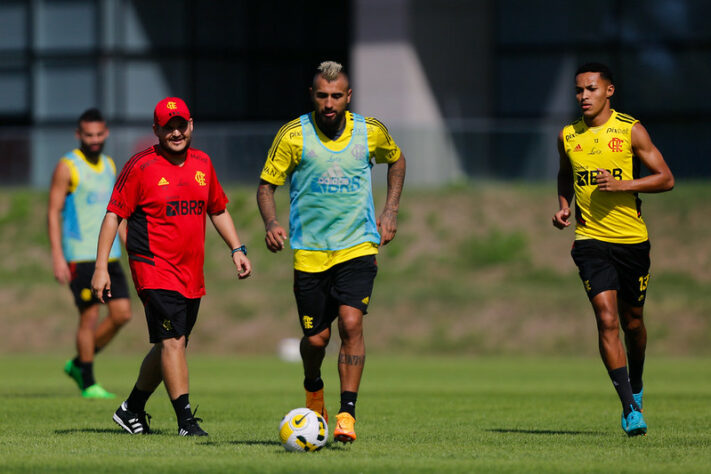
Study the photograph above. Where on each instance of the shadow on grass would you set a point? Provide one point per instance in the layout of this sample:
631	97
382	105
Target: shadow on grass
246	442
254	442
543	432
29	395
100	430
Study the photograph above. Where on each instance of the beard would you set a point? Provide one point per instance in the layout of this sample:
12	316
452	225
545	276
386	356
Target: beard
328	125
92	151
170	149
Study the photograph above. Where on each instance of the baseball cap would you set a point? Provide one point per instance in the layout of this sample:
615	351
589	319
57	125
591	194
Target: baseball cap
168	108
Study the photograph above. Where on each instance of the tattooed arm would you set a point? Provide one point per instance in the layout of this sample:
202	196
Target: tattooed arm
275	233
387	222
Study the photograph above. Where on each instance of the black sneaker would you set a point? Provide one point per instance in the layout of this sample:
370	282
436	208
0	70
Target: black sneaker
190	427
134	423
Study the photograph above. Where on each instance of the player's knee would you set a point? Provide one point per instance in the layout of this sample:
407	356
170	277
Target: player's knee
633	325
317	341
351	330
607	321
173	344
121	317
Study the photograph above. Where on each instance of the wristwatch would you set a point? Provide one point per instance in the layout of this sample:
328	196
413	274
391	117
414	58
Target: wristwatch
241	248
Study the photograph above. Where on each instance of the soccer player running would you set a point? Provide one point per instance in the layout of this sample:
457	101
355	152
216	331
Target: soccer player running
600	155
78	195
165	192
326	156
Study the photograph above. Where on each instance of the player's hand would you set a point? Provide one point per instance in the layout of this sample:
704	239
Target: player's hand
243	265
100	283
606	182
561	219
276	236
61	271
387	226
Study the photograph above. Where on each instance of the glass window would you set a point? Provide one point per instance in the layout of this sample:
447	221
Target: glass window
66	25
13	26
657	80
146	82
13	92
224	25
64	89
556	21
153	24
649	20
214	101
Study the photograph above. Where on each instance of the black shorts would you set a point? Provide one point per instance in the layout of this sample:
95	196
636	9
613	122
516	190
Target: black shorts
80	283
318	295
169	314
607	266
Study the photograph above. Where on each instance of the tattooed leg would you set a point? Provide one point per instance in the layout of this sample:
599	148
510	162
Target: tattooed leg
351	357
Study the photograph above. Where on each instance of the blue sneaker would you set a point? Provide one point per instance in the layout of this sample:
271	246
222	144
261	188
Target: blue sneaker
633	424
638	398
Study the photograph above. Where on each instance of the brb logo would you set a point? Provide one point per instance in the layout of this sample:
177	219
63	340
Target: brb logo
615	144
184	208
589	177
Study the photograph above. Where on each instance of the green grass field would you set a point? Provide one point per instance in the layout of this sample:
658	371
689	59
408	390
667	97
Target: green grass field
415	414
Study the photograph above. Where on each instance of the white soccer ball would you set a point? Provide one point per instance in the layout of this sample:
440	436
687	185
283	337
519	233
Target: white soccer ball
303	430
290	349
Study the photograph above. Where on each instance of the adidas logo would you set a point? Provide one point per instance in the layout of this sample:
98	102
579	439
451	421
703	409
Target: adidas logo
335	180
163	182
578	148
333	175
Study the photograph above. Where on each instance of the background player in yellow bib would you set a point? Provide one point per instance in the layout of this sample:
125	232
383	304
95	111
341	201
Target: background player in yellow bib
600	157
81	186
327	157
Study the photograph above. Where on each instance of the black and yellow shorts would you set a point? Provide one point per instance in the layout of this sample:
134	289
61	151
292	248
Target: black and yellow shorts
608	266
318	295
169	314
80	283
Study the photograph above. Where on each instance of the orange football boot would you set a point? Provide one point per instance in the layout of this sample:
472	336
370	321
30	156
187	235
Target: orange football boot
345	428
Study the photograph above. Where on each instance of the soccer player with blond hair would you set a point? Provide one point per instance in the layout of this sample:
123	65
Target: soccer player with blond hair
327	156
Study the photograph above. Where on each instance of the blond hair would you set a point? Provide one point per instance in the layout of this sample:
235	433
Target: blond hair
330	70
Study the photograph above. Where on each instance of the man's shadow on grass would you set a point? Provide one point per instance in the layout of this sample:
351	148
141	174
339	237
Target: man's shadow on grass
542	432
255	442
100	430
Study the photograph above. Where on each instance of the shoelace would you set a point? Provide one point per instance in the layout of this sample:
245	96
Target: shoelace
146	419
193	419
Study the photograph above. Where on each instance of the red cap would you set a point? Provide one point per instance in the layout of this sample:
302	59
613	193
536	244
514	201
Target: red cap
168	108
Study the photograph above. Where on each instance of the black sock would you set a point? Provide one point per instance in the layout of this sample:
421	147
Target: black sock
348	402
136	402
636	376
621	382
181	405
313	385
87	373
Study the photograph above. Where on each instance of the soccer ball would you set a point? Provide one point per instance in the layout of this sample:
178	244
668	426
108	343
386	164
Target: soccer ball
303	430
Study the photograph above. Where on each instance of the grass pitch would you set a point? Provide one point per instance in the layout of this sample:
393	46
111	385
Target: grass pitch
415	414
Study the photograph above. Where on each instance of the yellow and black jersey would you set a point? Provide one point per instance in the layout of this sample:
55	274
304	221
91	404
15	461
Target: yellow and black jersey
285	155
285	152
602	215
